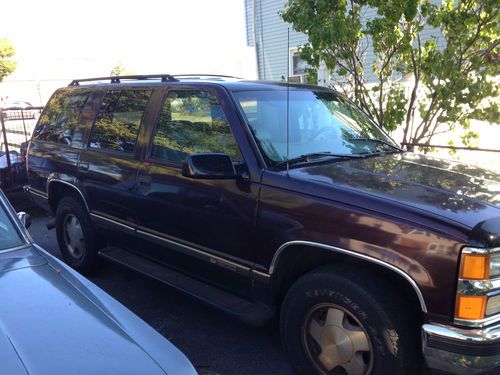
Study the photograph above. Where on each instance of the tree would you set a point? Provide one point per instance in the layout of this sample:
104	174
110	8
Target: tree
119	69
457	73
7	65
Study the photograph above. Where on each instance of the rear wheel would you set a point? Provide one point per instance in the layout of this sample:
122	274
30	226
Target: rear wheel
75	235
335	322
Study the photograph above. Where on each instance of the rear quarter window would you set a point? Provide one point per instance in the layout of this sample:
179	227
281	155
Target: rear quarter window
61	116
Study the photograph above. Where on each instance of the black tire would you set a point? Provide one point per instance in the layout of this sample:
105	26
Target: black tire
364	306
82	256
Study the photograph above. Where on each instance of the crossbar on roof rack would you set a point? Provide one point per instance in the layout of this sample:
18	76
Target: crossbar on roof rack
117	79
203	75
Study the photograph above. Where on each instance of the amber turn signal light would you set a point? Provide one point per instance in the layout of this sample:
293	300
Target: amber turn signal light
470	307
475	267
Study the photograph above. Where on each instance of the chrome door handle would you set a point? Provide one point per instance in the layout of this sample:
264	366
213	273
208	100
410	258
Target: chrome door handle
83	165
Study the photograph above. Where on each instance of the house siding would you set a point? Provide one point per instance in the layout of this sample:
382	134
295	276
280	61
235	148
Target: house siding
249	22
271	33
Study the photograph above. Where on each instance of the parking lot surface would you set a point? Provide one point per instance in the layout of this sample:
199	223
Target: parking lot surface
214	342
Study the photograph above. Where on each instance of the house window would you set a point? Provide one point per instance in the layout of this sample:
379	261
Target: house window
298	67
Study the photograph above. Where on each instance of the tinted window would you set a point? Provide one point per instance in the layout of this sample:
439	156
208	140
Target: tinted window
61	116
192	121
117	123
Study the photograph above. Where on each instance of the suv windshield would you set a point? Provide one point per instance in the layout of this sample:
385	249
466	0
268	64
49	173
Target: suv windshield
320	123
9	237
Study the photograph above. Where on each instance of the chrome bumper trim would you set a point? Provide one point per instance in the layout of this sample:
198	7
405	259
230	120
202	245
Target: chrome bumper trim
461	351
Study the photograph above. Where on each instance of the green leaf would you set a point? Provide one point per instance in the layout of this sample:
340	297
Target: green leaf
7	65
457	68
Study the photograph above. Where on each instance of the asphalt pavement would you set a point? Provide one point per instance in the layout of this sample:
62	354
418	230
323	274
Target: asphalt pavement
214	342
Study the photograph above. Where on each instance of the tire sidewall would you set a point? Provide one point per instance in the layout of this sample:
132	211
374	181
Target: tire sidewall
303	296
69	206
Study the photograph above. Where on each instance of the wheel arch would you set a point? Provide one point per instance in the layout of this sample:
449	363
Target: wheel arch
293	259
57	189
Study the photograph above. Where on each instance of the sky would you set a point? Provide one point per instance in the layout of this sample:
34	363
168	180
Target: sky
61	40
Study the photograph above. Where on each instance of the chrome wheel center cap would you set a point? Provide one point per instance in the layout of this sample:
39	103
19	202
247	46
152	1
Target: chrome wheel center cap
334	338
336	345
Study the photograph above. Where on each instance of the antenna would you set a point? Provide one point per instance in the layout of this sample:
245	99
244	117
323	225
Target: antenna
288	105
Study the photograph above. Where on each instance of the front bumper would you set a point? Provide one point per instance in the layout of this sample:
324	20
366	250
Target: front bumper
462	351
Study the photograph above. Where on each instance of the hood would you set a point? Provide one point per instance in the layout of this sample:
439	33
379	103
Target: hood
463	193
49	326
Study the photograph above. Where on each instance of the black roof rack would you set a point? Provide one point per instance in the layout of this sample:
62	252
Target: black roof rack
203	75
118	79
164	78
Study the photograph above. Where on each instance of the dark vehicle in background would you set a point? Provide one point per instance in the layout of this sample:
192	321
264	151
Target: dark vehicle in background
279	200
15	105
17	121
54	321
19	110
13	176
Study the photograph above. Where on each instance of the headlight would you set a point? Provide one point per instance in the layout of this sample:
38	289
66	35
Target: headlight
493	306
495	265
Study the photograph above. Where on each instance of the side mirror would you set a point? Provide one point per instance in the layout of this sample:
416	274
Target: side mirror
209	166
25	218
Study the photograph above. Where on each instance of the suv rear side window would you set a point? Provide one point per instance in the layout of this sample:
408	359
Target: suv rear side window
117	123
192	121
61	116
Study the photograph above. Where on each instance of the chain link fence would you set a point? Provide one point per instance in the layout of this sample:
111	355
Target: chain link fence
16	126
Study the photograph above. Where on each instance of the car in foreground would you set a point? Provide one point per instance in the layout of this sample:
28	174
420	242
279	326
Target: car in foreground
272	199
54	321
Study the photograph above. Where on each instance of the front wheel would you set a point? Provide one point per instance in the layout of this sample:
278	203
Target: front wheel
75	235
335	322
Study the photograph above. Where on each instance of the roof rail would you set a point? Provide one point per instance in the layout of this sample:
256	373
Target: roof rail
203	75
118	79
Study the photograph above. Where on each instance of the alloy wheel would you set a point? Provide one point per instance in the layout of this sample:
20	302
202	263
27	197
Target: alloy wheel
335	341
73	236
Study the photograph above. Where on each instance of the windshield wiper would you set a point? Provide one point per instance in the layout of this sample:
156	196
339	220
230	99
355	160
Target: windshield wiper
377	141
314	156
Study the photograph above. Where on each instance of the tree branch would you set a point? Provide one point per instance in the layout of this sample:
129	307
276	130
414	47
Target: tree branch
416	74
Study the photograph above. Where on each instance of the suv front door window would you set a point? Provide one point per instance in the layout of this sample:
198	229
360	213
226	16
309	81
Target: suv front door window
192	121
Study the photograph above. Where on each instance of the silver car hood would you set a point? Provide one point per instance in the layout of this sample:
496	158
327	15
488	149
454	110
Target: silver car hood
53	321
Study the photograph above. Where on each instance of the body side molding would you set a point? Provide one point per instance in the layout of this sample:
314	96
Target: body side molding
353	254
38	193
180	246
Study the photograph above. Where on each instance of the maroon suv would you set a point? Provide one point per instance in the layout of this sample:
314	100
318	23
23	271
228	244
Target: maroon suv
279	200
